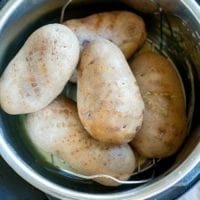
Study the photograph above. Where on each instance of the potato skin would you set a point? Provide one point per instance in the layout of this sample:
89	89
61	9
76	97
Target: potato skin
40	70
57	130
164	124
109	102
125	29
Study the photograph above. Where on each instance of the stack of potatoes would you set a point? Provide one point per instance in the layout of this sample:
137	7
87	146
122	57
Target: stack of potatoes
121	107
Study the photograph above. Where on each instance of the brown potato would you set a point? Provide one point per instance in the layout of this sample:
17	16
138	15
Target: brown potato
125	29
164	124
109	102
57	130
40	70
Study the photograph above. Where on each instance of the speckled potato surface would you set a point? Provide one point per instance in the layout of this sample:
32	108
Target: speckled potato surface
109	102
164	125
57	130
125	29
40	70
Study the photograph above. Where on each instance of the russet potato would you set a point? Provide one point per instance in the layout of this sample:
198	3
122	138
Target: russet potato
125	29
57	130
40	70
109	102
164	125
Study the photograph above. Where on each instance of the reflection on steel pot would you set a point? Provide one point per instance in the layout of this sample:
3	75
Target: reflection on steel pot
146	6
174	32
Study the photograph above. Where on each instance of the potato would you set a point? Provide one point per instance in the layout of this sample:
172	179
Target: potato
109	102
40	70
125	29
57	130
164	124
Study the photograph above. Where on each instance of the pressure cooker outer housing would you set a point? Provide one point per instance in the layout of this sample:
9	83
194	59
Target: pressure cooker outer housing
19	18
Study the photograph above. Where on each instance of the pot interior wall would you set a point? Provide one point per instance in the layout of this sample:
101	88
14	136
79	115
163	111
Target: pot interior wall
177	38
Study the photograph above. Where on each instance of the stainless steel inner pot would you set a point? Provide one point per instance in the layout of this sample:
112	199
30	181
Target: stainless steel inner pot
176	32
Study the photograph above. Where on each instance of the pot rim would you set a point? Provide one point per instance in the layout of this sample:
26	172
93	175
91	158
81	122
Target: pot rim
25	171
